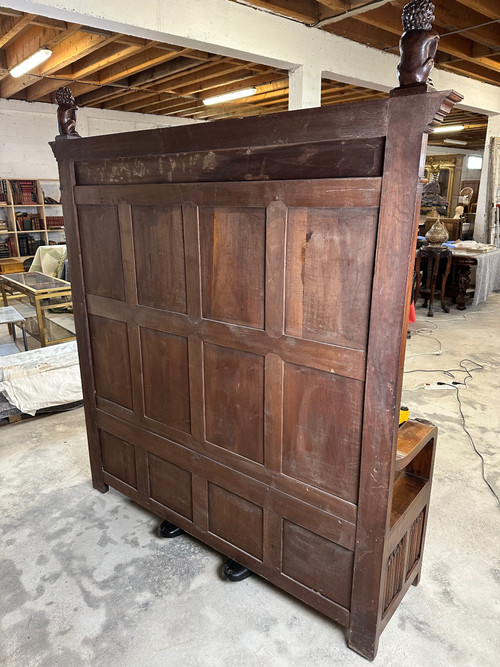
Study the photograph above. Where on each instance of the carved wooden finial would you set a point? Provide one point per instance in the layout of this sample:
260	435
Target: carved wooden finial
66	113
418	44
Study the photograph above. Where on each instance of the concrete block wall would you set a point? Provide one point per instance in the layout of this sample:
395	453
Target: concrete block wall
26	129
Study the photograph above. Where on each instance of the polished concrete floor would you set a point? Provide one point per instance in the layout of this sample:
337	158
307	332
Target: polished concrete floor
85	581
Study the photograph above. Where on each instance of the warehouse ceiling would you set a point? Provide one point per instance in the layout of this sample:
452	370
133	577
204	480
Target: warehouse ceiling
116	71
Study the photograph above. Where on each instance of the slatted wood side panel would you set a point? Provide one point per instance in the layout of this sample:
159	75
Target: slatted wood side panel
231	398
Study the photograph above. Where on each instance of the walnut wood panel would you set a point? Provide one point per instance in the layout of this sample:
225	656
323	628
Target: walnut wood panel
232	264
165	365
316	562
234	400
322	431
341	159
235	519
170	485
101	251
330	254
263	323
159	257
110	357
118	458
329	193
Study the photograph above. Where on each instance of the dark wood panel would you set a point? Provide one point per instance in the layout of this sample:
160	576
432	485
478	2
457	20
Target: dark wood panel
118	458
232	264
236	520
111	362
332	159
166	378
322	430
159	257
170	485
304	126
101	251
317	563
328	193
329	258
234	400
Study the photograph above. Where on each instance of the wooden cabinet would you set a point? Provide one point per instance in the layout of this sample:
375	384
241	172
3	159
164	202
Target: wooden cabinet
241	328
30	215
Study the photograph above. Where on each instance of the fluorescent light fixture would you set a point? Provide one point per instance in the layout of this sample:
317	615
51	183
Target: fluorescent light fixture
235	95
30	63
444	129
458	142
474	162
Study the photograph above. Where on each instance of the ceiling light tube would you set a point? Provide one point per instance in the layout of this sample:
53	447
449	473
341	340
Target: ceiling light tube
30	63
444	129
459	142
235	95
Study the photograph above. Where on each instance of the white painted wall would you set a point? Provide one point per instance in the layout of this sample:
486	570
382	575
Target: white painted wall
483	202
27	127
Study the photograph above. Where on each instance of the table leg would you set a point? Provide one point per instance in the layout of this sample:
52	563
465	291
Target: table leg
435	268
25	339
41	325
417	281
443	284
463	284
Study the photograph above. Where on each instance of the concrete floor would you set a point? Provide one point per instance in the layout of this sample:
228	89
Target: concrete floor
85	581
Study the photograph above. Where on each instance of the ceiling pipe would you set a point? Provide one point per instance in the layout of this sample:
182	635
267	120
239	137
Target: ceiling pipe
362	9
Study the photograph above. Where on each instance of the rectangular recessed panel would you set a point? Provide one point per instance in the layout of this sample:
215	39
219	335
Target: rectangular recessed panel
166	378
235	519
322	429
234	400
318	563
111	363
159	257
330	258
101	251
170	485
118	458
233	264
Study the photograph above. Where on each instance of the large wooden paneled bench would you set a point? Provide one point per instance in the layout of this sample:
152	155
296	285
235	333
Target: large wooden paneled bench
241	293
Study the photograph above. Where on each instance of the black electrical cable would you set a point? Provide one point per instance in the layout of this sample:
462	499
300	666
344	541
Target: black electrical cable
456	385
457	395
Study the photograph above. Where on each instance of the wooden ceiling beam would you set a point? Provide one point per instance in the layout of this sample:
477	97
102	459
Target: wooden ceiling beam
363	33
485	7
301	10
452	16
11	26
241	78
103	57
474	71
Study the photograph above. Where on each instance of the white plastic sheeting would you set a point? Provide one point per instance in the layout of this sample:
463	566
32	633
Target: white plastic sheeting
41	378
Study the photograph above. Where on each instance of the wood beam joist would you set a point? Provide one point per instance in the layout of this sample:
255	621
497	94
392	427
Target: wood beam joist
229	82
450	16
388	18
485	7
306	11
104	57
67	51
11	26
97	91
474	71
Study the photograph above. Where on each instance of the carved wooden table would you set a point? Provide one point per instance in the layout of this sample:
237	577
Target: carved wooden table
433	255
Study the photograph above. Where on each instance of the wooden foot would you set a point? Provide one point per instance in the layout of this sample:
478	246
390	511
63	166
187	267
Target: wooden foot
363	643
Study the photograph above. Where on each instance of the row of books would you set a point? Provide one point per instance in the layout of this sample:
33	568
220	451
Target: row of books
28	245
24	192
3	190
56	221
4	251
26	222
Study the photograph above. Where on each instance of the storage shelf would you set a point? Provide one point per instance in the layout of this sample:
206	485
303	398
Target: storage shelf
406	489
13	237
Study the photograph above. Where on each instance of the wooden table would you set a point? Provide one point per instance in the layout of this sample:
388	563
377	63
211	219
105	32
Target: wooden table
44	293
434	255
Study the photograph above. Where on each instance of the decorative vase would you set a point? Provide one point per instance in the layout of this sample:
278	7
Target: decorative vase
437	234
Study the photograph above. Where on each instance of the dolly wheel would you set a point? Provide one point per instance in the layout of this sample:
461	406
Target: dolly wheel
233	571
167	529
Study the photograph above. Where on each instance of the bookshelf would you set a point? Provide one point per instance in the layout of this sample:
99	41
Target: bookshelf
30	216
